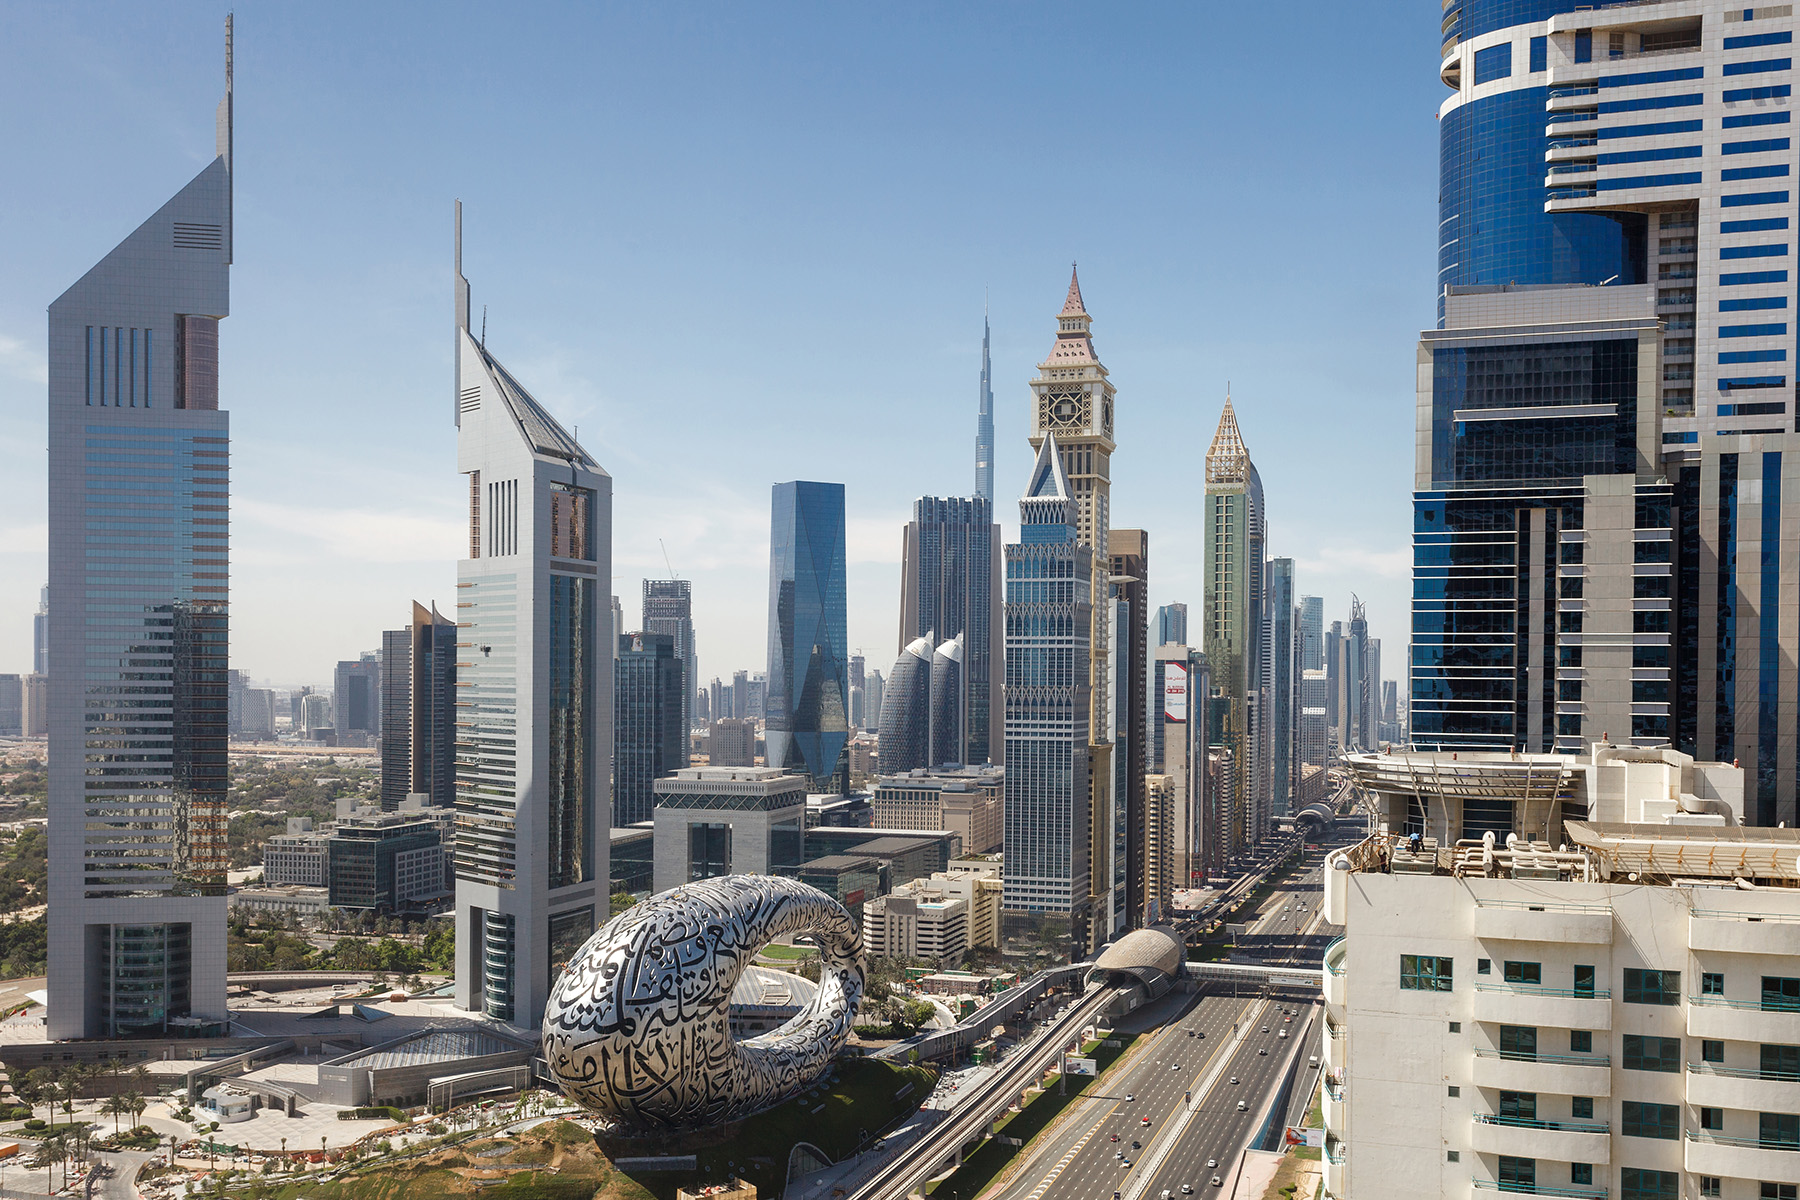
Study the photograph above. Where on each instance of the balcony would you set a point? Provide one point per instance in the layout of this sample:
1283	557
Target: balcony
1522	1004
1335	984
1740	1020
1558	1074
1519	921
1567	1141
1333	1108
1539	1189
1573	116
1333	1157
1715	1154
1742	933
1713	1086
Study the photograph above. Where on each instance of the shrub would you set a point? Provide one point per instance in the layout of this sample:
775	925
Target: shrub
35	1123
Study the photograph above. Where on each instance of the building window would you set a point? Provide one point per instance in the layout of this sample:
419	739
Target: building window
1778	1062
1712	1118
1639	1119
1540	54
1518	1106
1778	1131
1712	1052
1493	63
1524	972
1518	1042
1775	1191
1779	995
1581	1108
1709	1185
1712	983
1456	1027
1652	1053
1584	980
1455	1091
1652	987
1453	1156
1581	1173
1517	1174
709	850
1581	1041
1425	973
1483	966
1638	1184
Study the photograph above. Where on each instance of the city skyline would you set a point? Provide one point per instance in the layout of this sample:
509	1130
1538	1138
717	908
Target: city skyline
399	528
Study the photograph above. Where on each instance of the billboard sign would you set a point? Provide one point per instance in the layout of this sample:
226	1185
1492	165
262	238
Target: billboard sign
1175	691
1080	1066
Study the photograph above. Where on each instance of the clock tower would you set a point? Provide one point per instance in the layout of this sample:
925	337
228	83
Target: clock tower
1072	405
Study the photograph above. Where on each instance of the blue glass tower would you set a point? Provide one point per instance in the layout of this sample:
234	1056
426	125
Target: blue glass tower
807	710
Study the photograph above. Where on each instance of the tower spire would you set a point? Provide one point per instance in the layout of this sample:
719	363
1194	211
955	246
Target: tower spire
984	421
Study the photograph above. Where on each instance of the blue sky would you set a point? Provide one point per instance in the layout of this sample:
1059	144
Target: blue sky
739	244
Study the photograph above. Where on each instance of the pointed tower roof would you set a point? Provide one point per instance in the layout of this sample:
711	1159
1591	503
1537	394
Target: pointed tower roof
1049	481
1073	306
1074	344
1227	459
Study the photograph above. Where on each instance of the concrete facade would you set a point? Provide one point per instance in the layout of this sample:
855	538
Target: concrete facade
749	821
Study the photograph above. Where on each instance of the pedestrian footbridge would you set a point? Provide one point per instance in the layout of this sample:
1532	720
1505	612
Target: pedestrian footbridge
1255	975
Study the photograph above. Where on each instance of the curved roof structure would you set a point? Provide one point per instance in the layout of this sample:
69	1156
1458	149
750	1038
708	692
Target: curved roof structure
1150	957
1322	813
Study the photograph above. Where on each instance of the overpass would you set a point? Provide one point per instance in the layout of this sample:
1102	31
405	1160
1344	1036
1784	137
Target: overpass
1256	975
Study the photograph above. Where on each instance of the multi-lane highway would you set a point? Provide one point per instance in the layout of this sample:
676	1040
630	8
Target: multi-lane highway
1181	1077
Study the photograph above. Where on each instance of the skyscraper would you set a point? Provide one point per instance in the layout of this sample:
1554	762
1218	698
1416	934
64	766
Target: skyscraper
1049	594
1130	570
1311	633
649	740
1282	657
874	697
858	681
1073	399
950	587
1233	622
806	704
40	634
535	684
418	710
669	610
984	426
1171	624
1555	288
139	512
906	710
356	699
947	692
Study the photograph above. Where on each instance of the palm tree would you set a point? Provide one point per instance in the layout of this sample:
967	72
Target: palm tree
56	1150
136	1103
115	1107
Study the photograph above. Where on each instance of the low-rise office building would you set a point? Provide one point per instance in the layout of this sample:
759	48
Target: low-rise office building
633	858
850	879
386	861
1581	978
916	922
713	821
296	858
968	801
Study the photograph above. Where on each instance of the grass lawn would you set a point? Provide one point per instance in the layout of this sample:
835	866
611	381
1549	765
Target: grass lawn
980	1168
789	953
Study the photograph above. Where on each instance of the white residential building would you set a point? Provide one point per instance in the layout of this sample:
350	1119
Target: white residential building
1591	990
916	922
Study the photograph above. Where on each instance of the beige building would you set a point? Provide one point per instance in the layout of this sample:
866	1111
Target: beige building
35	706
916	922
966	800
974	883
1583	981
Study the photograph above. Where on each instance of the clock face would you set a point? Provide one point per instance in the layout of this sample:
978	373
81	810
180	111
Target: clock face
1065	410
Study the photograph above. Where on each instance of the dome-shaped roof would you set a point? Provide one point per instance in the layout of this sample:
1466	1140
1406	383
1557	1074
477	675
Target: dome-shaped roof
1148	955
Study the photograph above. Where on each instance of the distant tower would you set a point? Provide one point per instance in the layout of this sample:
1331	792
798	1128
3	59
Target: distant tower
1233	624
535	689
807	702
947	703
40	634
418	705
669	609
906	710
984	425
649	740
950	587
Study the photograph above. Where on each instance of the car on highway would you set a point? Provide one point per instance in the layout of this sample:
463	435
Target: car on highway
1146	1122
1137	1145
1174	1066
1187	1189
1243	1106
1211	1163
1217	1181
1234	1079
1127	1163
1115	1137
1129	1097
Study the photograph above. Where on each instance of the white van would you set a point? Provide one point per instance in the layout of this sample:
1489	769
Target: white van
1313	1062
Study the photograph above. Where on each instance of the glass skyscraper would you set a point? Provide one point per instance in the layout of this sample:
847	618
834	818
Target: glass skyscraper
1616	222
807	704
649	741
534	687
950	587
669	610
1049	831
418	723
139	577
1233	627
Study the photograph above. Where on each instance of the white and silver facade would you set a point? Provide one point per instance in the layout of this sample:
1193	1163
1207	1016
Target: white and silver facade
139	575
534	683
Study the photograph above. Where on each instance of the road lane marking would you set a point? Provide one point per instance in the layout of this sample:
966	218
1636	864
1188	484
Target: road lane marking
1063	1163
1174	1130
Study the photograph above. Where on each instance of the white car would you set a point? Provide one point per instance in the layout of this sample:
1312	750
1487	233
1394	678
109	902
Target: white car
1233	1079
1129	1097
1211	1163
1217	1181
1187	1189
